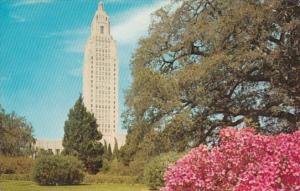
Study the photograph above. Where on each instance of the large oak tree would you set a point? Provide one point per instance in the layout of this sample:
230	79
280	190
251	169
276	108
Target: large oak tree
207	64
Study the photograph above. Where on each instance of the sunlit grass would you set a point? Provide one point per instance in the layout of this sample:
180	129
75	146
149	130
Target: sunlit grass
31	186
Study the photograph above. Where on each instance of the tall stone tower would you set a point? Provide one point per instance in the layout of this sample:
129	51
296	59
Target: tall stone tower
100	77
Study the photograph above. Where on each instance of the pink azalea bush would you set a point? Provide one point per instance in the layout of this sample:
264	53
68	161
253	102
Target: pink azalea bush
243	161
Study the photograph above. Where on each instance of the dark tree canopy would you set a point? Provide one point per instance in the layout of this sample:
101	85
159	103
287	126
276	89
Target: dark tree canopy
107	154
208	64
16	135
116	150
82	139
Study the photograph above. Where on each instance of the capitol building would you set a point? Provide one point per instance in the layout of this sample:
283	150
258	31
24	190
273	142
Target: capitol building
101	78
100	82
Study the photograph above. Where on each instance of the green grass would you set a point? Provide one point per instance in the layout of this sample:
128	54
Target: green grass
31	186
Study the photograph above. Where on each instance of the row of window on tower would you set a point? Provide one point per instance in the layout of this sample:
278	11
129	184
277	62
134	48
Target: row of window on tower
107	130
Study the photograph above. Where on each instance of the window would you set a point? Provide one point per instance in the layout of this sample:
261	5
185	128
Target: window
102	29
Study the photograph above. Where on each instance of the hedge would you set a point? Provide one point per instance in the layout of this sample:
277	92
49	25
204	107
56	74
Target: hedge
18	177
155	169
58	170
16	165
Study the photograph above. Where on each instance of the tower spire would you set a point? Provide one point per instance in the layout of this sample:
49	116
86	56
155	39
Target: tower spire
101	6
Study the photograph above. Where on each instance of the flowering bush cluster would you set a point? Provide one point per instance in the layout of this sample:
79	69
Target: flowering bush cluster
243	161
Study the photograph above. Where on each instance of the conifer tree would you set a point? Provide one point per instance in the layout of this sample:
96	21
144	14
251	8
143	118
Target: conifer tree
105	148
116	150
82	139
109	152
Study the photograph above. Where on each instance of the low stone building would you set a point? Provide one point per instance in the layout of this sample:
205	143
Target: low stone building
54	146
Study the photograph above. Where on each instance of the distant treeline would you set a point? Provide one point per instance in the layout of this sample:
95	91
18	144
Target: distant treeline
16	135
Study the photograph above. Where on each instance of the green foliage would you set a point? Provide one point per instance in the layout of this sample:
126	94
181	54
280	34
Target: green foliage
206	65
155	169
116	150
112	179
16	135
15	165
107	156
110	159
17	177
105	165
58	170
82	139
43	152
109	152
137	166
115	167
138	149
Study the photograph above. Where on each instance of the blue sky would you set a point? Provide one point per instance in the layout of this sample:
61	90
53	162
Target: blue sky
41	54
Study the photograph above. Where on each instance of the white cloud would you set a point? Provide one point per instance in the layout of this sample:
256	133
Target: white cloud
79	37
18	19
21	19
76	72
123	1
75	45
134	23
74	40
131	25
75	32
3	79
31	2
112	1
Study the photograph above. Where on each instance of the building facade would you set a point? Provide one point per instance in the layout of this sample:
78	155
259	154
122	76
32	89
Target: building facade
101	77
52	146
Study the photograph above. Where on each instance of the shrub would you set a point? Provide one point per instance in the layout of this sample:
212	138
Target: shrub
137	166
15	165
243	161
112	179
155	169
118	168
105	165
18	177
58	170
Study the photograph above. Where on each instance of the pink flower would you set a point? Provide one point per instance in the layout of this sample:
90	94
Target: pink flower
243	161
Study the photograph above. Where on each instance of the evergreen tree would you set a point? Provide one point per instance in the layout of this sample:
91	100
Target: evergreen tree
82	139
109	153
106	158
105	147
116	149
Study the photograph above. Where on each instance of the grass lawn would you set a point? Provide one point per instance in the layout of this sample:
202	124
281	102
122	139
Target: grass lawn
31	186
